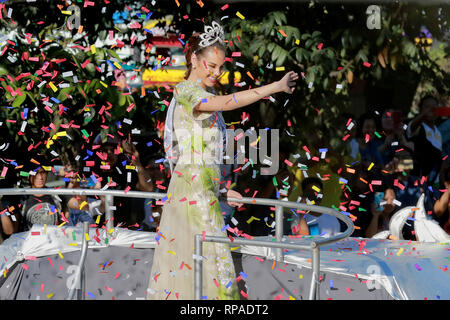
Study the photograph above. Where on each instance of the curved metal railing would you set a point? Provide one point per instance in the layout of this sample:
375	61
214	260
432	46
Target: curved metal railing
279	245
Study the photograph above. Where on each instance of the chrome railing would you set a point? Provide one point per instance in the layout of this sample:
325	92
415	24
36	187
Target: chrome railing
279	245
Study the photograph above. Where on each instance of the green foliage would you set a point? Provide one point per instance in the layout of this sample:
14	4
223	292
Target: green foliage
330	55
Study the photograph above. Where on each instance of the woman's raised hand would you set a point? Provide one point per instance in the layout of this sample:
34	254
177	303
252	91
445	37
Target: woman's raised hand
287	83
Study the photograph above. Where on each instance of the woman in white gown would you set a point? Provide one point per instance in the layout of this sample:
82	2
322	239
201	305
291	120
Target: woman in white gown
192	206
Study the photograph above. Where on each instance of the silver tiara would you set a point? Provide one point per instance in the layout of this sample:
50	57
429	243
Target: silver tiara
211	35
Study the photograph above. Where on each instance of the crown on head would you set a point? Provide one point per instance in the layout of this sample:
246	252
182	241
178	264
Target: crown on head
211	35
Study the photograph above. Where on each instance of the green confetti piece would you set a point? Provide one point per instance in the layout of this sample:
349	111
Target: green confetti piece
377	134
24	174
275	183
85	133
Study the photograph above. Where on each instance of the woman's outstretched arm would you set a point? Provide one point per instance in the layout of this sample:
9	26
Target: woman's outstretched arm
244	98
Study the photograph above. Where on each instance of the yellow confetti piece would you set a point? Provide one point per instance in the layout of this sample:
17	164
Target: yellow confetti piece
62	224
280	69
69	13
316	188
93	49
97	221
370	166
54	88
104	84
130	167
47	168
60	254
118	66
235	248
291	298
110	230
87	237
400	251
49	295
83	204
240	15
172	252
300	276
73	244
297	42
45	228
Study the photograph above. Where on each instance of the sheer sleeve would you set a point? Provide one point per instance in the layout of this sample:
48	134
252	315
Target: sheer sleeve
189	95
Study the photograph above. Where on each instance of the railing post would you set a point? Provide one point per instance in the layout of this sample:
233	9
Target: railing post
279	231
314	293
198	267
80	283
109	202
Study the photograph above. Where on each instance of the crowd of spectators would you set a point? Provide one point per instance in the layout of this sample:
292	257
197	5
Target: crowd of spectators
389	162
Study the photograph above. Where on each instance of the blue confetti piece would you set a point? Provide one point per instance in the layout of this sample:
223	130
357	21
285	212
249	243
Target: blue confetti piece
91	295
182	42
243	275
225	227
149	144
331	284
323	150
345	181
228	284
159	160
164	199
25	113
89	152
55	100
205	297
93	178
204	100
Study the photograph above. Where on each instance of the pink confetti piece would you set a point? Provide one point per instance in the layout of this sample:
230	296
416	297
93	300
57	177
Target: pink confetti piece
109	289
348	290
